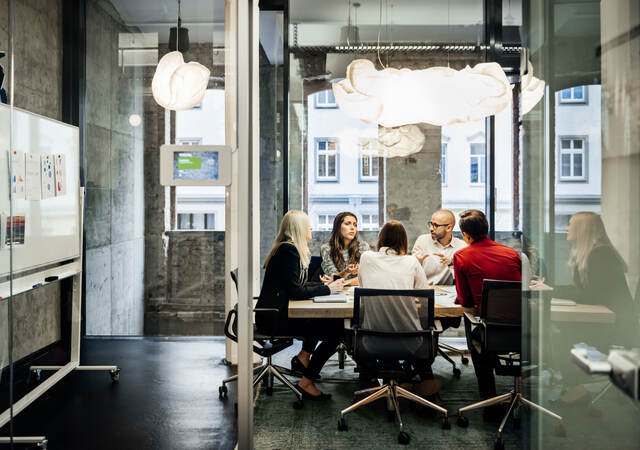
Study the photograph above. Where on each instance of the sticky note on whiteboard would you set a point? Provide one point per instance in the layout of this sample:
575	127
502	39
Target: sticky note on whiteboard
61	175
47	170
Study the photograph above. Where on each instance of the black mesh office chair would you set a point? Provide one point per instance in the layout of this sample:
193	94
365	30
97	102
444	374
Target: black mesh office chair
268	345
384	334
501	334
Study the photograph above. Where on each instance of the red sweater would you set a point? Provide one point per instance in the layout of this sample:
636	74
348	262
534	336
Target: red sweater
482	260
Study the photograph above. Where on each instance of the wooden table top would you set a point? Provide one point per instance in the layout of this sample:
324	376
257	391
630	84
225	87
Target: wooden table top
444	307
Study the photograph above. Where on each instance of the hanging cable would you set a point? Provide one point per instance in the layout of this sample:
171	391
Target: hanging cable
379	29
178	29
348	22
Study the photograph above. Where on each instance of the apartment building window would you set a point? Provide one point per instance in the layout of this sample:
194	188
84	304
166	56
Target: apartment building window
476	164
573	159
325	99
189	141
368	222
196	221
325	222
443	164
326	160
577	94
368	165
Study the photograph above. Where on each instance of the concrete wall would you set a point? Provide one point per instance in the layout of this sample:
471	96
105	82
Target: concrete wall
114	217
38	89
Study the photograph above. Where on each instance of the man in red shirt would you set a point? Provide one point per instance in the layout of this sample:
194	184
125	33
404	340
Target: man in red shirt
482	259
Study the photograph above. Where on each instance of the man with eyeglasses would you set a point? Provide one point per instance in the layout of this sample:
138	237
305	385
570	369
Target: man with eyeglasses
435	250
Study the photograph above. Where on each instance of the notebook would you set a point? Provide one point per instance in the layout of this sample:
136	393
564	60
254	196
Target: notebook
333	298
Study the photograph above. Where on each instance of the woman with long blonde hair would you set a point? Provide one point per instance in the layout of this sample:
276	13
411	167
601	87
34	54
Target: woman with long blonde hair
285	280
599	275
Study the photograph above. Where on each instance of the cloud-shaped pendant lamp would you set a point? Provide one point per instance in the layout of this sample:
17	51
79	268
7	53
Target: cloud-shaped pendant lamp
532	90
437	95
178	85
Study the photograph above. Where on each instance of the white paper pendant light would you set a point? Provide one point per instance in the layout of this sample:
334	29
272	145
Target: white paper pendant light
438	95
532	90
178	85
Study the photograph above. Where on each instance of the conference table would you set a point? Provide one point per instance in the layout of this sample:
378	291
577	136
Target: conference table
444	306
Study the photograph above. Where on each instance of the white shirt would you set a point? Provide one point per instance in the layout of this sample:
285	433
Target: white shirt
436	272
385	269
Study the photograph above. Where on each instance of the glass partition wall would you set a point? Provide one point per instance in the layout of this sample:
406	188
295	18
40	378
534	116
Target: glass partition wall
581	217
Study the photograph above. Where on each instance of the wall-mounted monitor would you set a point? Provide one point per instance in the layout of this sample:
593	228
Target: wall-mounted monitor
195	165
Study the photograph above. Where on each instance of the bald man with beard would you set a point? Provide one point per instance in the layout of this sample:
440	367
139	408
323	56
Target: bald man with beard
435	250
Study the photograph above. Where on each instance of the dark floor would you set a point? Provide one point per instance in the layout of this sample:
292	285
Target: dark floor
167	398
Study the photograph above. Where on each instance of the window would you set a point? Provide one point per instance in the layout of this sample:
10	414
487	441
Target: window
576	94
476	166
326	160
572	159
368	165
368	222
325	222
443	164
196	221
325	99
189	141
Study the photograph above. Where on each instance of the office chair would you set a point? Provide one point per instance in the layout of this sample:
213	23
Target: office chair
383	333
501	333
269	345
442	347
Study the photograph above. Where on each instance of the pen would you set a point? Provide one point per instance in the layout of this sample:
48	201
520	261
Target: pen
37	285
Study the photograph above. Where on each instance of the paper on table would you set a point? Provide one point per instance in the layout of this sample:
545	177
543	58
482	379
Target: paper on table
33	183
333	298
61	175
17	174
48	180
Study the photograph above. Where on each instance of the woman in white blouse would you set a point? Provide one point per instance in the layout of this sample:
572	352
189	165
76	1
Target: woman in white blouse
391	267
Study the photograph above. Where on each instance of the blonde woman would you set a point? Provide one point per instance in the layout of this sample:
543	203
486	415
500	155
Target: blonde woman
285	280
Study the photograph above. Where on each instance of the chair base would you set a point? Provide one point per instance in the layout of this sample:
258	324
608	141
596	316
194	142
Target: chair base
266	370
456	351
515	400
392	392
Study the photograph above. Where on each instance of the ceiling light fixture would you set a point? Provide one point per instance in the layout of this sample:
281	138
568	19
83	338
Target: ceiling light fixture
177	85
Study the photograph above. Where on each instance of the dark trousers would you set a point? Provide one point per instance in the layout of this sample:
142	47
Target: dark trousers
483	364
329	332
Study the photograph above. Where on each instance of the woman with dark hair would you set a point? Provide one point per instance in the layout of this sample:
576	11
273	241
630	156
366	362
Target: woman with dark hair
391	266
341	256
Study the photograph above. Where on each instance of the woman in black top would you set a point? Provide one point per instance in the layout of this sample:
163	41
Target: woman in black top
285	280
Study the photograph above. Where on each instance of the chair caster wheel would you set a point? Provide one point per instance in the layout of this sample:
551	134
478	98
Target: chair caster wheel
456	372
445	423
462	421
342	424
222	392
115	375
560	430
465	360
298	404
403	438
499	444
269	391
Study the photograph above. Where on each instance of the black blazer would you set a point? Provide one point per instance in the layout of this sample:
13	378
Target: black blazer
283	281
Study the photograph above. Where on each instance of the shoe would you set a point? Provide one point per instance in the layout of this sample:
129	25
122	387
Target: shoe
297	368
307	396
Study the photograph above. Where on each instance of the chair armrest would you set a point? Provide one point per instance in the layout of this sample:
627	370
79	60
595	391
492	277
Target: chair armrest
471	318
438	326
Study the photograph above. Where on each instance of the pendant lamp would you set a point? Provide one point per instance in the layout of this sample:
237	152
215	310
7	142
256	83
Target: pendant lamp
177	85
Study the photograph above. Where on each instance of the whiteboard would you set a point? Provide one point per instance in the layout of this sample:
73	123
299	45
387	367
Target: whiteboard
52	225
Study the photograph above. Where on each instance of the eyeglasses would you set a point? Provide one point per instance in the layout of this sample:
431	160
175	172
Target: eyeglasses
436	225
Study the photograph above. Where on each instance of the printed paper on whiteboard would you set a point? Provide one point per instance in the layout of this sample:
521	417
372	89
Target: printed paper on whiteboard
61	175
17	174
33	185
47	176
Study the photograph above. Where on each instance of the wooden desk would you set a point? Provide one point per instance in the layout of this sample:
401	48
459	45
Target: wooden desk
580	313
307	309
